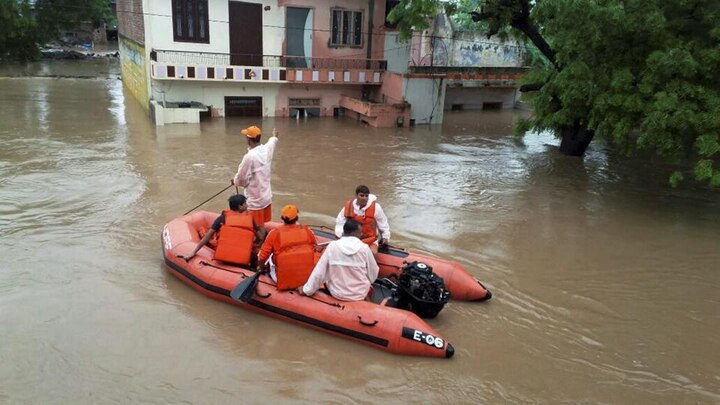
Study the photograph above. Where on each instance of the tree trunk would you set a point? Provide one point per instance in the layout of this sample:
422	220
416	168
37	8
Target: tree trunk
575	139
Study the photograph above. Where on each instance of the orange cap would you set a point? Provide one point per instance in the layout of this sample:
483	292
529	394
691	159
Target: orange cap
251	132
289	212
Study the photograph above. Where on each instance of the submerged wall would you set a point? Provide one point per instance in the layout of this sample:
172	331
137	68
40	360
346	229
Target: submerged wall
133	68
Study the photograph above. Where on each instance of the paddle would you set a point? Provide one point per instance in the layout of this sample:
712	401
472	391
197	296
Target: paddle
245	289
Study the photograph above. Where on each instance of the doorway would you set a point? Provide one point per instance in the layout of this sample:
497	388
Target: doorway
298	37
246	39
243	106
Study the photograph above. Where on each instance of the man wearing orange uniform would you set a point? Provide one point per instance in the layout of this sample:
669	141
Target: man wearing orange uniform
367	211
254	173
291	248
238	234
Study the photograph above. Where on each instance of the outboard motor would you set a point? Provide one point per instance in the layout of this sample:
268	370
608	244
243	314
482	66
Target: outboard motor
420	290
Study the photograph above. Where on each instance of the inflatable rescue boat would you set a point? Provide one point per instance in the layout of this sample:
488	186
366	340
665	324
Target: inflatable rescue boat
369	322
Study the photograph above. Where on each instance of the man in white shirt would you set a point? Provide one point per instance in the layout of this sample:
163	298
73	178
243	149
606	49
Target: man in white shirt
367	211
254	173
347	267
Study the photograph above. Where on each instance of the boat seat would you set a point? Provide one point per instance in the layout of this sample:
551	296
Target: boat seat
382	295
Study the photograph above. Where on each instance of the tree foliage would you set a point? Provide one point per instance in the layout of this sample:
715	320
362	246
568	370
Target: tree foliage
26	25
18	28
641	74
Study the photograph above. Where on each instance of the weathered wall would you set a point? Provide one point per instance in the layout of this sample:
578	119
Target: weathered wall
469	49
421	49
133	68
463	48
130	20
397	53
426	96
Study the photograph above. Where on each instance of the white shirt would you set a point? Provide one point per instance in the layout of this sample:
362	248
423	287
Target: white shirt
254	173
347	267
380	218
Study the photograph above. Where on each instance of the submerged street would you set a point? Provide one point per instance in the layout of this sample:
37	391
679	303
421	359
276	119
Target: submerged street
604	279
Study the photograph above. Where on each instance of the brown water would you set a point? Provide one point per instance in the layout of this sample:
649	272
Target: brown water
605	281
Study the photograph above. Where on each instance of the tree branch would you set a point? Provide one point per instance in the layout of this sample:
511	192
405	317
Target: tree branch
521	22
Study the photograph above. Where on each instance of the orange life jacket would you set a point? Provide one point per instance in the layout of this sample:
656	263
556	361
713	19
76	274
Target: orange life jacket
295	256
235	239
369	225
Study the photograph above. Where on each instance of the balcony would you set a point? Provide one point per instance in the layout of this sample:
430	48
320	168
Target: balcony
208	66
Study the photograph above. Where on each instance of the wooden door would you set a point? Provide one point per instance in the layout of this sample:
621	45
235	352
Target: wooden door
245	26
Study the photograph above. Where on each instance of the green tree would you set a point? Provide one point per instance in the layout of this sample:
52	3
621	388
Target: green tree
636	74
18	28
26	25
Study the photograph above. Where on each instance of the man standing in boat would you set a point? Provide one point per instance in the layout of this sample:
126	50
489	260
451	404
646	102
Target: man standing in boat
238	234
254	173
291	247
367	211
347	267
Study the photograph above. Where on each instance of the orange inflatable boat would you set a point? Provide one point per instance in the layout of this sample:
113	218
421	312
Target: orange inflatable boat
368	322
461	284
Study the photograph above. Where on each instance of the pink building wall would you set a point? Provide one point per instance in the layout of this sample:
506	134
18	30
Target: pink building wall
330	94
391	90
322	27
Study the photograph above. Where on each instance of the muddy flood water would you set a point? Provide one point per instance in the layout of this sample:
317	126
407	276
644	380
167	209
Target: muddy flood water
605	280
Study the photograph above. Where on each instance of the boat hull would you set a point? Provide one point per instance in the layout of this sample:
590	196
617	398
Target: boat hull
385	328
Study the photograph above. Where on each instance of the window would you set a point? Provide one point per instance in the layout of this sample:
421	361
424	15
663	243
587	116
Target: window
190	21
346	28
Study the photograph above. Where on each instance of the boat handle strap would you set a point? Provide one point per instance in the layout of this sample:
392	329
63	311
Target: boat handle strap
367	323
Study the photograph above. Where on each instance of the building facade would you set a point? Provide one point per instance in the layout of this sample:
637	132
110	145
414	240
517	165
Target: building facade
185	58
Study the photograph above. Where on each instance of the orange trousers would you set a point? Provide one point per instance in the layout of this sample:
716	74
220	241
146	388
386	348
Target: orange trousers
263	215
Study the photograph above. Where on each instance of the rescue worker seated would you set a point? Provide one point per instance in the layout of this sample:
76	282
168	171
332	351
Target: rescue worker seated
347	267
291	250
238	234
365	210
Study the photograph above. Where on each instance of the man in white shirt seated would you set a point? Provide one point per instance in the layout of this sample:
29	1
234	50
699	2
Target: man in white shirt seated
347	267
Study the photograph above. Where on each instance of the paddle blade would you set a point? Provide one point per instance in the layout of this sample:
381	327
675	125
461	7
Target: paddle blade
245	289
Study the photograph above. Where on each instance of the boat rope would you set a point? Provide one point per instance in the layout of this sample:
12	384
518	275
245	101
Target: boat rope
204	263
332	304
244	276
323	227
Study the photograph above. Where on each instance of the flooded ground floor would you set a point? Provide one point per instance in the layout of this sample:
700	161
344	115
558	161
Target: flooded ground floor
604	279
